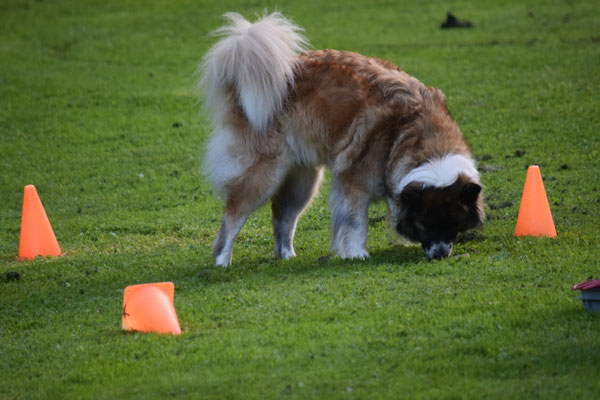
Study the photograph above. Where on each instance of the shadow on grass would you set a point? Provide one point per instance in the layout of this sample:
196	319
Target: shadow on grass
395	257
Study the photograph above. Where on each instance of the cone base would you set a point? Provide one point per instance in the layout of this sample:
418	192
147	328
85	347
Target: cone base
33	257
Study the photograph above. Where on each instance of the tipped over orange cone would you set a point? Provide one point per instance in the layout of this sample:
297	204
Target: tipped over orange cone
149	308
37	236
535	218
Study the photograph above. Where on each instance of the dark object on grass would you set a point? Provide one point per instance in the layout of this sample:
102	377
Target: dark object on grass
453	22
531	42
10	276
590	295
375	220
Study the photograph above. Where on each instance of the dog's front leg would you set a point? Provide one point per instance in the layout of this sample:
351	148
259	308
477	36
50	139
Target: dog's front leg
349	217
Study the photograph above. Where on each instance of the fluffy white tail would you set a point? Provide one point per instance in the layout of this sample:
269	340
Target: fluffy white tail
256	61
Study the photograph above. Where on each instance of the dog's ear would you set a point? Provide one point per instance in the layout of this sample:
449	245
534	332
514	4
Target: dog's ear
470	192
470	195
412	197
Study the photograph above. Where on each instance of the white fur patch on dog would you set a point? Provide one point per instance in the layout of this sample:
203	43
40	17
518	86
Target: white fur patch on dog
220	166
440	172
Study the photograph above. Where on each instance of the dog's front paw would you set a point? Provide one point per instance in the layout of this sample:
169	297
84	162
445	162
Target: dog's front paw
284	253
355	254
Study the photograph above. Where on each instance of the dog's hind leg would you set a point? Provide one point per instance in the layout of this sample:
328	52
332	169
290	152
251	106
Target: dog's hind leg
222	248
349	220
244	195
299	187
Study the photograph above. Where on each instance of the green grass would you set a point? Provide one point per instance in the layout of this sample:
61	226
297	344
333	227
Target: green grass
89	95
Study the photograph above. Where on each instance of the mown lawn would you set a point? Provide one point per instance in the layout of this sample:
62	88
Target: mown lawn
97	111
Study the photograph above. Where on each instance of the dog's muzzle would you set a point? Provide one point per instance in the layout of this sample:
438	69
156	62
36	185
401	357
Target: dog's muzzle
438	250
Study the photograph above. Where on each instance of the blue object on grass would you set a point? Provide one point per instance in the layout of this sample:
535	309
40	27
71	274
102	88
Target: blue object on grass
590	295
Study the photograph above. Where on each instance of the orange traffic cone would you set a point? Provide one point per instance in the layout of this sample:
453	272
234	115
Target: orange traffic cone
37	236
535	218
149	308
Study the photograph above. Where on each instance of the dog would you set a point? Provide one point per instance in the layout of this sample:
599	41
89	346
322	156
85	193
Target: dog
281	113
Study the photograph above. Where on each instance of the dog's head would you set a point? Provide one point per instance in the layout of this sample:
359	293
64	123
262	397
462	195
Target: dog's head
434	216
